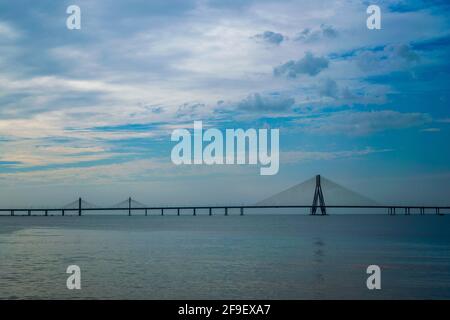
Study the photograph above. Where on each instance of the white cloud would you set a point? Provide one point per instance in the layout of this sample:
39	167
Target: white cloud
151	169
7	31
29	153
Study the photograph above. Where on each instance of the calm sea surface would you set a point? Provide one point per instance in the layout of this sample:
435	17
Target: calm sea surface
249	257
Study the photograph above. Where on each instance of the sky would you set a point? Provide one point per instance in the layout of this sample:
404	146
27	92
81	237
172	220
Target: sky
90	112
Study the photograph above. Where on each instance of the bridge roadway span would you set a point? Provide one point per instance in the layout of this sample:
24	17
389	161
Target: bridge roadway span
392	209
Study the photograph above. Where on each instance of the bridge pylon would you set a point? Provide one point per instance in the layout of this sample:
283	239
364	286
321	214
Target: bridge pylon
318	201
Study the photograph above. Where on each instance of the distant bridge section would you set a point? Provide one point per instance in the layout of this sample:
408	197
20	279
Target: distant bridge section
317	194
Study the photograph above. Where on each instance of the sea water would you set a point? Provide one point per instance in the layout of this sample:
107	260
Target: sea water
225	257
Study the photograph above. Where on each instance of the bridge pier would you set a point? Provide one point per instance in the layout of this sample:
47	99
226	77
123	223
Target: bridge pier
226	211
63	212
46	213
195	212
12	213
178	211
162	211
318	201
242	211
210	211
29	212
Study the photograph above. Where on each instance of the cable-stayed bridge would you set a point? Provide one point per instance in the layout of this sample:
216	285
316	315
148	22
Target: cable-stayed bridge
303	193
317	194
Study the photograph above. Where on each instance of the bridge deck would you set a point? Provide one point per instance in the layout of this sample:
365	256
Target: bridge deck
392	209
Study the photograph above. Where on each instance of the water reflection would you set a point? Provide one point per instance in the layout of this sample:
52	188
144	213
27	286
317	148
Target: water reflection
319	268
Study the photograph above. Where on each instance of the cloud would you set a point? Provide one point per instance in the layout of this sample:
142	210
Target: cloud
328	31
331	94
268	103
309	65
310	35
404	51
157	110
362	123
7	31
270	37
329	88
190	110
390	58
97	174
30	154
101	174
